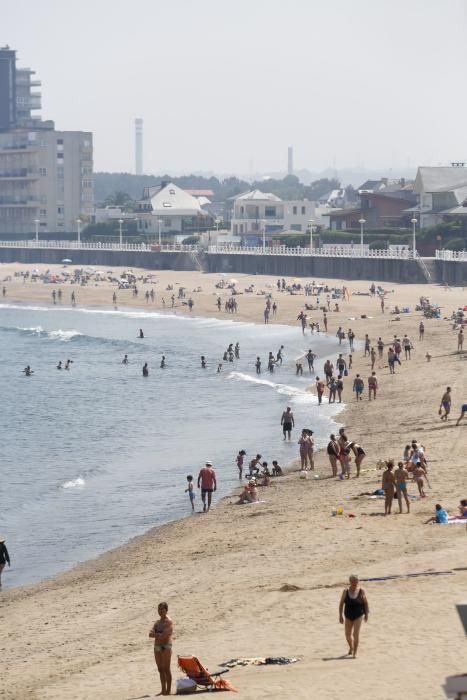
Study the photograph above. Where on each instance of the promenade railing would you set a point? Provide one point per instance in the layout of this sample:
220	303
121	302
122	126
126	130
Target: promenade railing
87	245
458	255
328	252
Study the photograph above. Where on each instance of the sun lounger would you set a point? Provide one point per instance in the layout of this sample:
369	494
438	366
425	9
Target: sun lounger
195	670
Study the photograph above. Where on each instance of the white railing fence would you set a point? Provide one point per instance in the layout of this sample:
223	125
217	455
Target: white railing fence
328	252
459	255
86	245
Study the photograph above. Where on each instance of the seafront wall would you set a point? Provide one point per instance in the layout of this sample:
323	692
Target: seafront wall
374	269
100	258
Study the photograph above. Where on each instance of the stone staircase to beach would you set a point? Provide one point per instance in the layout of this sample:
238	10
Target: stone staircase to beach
428	268
198	257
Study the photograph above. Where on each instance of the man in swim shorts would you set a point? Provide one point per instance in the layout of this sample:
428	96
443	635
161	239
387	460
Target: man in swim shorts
463	412
208	484
401	476
287	422
445	404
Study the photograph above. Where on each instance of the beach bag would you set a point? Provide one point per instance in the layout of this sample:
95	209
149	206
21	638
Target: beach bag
185	686
346	373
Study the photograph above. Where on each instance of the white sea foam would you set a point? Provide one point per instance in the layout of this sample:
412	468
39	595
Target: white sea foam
74	483
297	394
64	336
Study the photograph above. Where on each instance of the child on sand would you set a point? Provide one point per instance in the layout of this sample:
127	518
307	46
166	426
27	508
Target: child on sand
240	458
418	475
190	491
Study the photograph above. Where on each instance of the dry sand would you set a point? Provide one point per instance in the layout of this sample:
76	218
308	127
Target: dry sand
84	634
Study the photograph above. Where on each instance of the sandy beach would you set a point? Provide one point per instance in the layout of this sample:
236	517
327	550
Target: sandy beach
84	634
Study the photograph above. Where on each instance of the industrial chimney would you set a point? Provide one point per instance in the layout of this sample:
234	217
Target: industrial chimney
290	160
138	146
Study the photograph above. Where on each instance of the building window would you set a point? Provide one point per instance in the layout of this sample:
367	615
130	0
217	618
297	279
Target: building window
42	171
60	156
60	171
269	211
60	211
303	210
43	213
59	142
167	223
294	211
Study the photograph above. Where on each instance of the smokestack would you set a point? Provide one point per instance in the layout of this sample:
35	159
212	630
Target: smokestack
290	160
138	146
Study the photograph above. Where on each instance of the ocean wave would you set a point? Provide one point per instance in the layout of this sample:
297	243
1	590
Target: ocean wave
61	335
300	395
79	482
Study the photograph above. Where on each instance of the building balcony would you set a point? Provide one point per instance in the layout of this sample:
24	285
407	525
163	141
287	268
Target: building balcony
19	174
24	201
276	221
13	148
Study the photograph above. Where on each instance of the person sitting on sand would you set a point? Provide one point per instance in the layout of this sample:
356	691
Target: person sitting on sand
441	517
463	508
353	606
276	468
249	493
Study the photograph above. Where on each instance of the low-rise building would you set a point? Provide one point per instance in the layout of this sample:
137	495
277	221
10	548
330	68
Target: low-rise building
256	211
168	209
441	191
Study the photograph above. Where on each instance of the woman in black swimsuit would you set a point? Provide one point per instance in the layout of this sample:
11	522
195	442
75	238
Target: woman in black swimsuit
333	454
353	607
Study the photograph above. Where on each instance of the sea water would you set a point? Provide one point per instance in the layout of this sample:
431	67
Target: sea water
95	455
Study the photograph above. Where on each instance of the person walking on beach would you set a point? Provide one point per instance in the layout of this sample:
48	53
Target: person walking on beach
319	389
401	476
380	346
421	330
287	422
463	412
353	609
208	484
310	357
407	345
358	386
4	557
388	484
445	404
73	299
162	632
372	386
190	491
460	340
258	365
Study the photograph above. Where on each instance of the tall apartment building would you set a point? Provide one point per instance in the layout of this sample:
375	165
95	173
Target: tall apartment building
45	175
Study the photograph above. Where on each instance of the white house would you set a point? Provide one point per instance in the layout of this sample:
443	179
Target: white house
169	209
441	190
254	211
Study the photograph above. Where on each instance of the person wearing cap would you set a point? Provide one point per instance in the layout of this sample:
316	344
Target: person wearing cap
4	557
207	482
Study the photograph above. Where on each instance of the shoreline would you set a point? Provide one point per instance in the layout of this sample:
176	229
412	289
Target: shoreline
230	568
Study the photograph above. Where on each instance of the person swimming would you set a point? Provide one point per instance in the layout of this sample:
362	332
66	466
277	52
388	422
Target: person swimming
141	334
59	366
125	360
68	363
28	371
163	362
203	362
145	370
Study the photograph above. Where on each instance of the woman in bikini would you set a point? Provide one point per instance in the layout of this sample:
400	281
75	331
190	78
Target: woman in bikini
359	453
353	608
401	476
161	632
387	485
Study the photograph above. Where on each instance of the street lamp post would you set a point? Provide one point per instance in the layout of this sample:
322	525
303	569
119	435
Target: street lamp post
37	222
159	223
414	222
311	222
78	221
362	223
263	223
120	224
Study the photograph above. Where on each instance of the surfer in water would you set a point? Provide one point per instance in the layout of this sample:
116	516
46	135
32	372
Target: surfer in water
145	370
125	360
141	334
28	371
68	363
163	362
59	366
203	362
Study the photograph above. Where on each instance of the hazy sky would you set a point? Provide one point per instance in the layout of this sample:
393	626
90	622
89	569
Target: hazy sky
227	85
